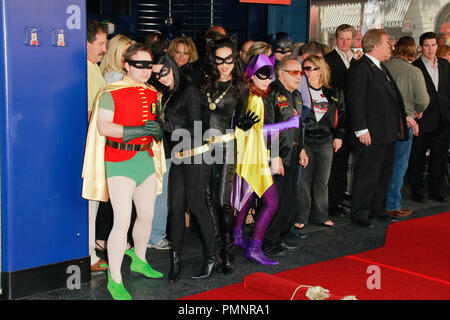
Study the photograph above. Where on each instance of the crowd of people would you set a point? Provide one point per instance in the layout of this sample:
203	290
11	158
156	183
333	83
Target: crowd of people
267	129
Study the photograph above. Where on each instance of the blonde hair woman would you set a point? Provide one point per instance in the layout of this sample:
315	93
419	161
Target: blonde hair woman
113	61
258	47
324	130
183	51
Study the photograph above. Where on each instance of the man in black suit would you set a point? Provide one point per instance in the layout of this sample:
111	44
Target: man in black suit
339	60
377	120
434	126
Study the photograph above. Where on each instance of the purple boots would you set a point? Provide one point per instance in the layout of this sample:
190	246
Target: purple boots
239	239
253	249
254	252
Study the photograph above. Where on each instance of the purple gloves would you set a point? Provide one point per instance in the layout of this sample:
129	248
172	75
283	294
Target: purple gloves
276	128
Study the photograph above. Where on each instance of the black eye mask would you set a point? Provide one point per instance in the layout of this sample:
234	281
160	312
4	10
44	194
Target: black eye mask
283	50
282	46
165	70
228	60
264	73
141	64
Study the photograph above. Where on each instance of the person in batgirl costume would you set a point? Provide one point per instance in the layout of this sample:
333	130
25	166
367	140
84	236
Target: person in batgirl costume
253	175
124	161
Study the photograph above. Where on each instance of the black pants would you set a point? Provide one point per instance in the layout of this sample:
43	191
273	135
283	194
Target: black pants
187	189
284	216
438	143
105	219
338	183
222	179
372	175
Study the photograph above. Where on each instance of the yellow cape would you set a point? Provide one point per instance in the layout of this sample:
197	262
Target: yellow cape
94	177
252	153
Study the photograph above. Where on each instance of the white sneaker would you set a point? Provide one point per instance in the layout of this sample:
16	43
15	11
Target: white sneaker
162	244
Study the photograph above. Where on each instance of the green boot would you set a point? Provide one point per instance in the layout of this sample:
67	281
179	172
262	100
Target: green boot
139	266
117	290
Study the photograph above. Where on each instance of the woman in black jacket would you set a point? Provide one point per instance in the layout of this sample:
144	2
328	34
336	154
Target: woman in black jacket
188	179
223	108
324	129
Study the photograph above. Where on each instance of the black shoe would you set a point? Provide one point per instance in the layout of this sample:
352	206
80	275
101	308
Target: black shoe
288	245
345	208
210	265
439	197
175	268
228	264
336	212
419	198
296	233
387	218
276	251
364	224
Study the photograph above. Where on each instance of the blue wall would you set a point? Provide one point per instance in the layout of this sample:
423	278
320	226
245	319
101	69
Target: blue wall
293	19
43	128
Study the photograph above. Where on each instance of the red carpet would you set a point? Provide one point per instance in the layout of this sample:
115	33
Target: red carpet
414	264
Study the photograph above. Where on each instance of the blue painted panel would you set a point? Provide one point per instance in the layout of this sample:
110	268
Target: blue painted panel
293	19
43	121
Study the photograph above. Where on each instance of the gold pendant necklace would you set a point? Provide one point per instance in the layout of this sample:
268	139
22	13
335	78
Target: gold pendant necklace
213	105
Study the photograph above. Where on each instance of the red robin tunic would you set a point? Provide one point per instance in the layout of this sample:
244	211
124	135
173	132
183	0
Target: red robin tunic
133	106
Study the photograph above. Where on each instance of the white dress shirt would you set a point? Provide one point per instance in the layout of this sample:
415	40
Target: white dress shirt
434	72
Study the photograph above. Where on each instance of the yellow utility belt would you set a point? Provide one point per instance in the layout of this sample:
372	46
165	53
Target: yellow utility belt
206	147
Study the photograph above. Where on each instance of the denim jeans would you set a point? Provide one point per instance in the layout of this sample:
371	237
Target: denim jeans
312	193
402	151
160	217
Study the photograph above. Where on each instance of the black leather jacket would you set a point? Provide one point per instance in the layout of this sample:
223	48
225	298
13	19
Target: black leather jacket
227	110
280	105
331	125
180	110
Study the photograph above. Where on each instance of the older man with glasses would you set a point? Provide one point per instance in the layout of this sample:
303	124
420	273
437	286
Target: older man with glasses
283	102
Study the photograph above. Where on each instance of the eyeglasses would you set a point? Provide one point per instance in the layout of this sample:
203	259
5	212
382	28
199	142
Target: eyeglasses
165	70
141	64
308	68
293	73
228	60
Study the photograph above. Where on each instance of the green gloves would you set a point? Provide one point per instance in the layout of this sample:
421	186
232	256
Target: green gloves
130	133
154	129
150	128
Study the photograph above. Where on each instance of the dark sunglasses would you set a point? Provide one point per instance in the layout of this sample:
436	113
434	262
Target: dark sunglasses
293	73
228	60
141	64
308	68
165	70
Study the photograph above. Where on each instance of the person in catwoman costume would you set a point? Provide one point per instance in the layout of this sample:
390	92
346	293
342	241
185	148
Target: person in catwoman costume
223	109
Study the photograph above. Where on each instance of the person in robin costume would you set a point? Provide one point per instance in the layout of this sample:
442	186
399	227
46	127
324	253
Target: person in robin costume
124	161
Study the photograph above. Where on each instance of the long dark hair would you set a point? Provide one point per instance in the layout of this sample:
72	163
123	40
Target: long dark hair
164	59
211	84
180	82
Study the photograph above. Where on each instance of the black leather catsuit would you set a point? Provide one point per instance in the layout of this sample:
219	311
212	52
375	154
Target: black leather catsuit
221	120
